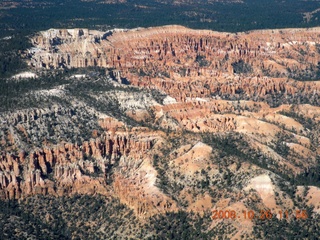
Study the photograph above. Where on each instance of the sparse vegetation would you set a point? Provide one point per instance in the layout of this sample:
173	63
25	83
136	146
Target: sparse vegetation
201	60
53	108
241	67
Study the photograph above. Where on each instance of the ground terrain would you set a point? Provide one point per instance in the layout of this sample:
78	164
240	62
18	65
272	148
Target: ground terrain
161	125
125	120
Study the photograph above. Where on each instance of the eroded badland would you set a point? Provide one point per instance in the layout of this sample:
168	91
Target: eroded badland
181	119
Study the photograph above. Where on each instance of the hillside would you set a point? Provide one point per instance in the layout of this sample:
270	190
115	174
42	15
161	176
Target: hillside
164	124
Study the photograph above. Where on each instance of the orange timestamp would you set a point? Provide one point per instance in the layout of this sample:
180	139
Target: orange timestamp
263	215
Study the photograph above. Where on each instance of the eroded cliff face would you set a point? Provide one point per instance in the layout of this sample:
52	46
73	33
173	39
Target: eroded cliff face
204	121
84	168
191	63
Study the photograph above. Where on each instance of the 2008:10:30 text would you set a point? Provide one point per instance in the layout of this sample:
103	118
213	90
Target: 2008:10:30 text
264	214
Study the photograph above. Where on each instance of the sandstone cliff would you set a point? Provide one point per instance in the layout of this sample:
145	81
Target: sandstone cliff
180	119
190	63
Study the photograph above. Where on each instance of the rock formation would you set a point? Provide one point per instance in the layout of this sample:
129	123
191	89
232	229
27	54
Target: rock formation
190	63
62	169
161	143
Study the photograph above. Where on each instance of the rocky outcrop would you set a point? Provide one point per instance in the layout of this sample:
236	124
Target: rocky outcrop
200	116
68	168
190	63
192	72
135	186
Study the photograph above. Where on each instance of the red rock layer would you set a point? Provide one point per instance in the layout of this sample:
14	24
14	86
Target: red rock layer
66	168
189	63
